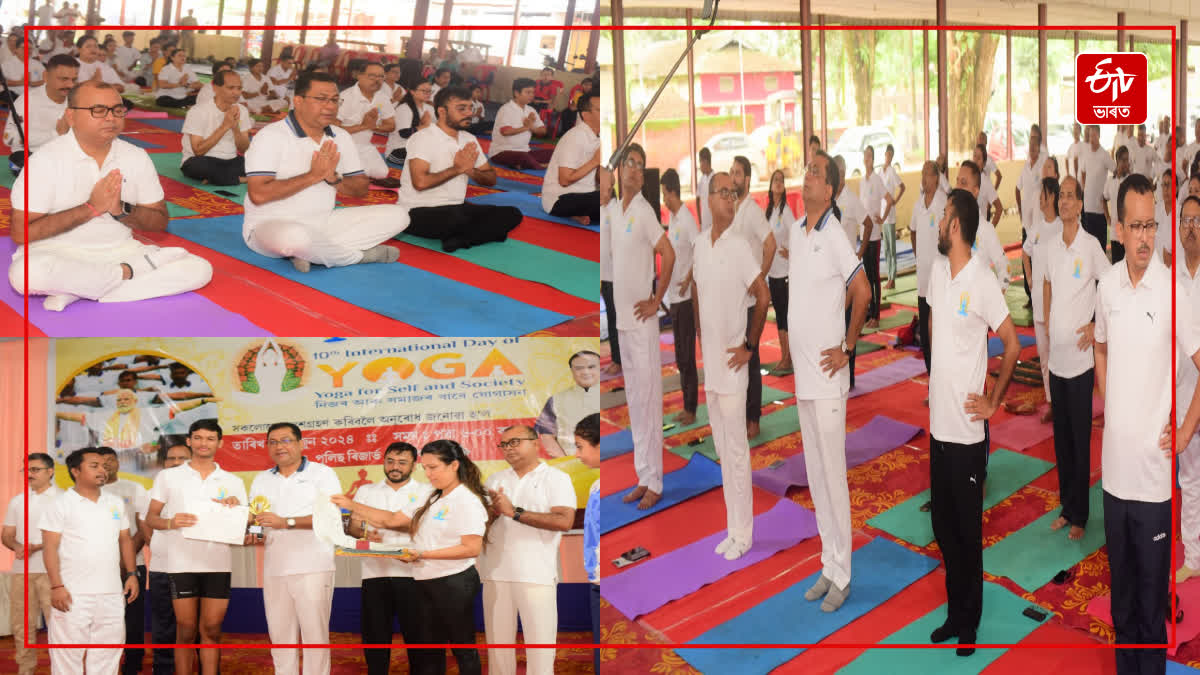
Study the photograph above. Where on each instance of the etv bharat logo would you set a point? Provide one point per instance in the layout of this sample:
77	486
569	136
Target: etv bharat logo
1111	88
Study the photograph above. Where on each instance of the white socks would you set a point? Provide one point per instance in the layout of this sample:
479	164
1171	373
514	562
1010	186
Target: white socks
380	254
732	548
57	303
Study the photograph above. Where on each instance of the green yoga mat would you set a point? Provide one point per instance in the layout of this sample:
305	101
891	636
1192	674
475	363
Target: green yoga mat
167	164
906	298
519	259
900	318
866	347
769	395
1002	624
904	283
776	425
1032	555
1016	299
1007	472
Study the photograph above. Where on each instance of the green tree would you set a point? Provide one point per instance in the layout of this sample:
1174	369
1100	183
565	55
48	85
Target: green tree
971	58
860	55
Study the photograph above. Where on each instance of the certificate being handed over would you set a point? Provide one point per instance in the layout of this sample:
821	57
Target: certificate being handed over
217	522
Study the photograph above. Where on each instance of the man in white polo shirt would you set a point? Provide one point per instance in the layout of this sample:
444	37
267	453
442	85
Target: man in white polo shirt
388	590
1074	263
1186	375
135	499
1029	187
89	560
40	495
173	451
724	270
682	231
1108	198
215	132
556	424
47	111
751	224
1094	166
88	191
199	571
923	235
635	238
569	189
295	168
1133	361
365	110
534	504
1047	226
987	165
987	244
874	196
439	160
298	570
824	276
516	123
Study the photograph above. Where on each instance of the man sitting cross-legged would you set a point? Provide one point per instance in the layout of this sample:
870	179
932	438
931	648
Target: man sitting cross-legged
215	132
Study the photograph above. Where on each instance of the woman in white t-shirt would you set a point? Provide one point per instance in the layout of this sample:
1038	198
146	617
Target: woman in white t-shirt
780	218
414	113
448	533
177	86
257	93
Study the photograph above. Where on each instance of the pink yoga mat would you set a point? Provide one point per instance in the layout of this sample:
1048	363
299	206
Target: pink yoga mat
673	575
136	114
1025	431
1189	601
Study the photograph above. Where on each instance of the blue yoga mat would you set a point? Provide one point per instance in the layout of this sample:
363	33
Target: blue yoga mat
169	123
1175	668
528	205
996	345
430	302
700	475
882	569
616	444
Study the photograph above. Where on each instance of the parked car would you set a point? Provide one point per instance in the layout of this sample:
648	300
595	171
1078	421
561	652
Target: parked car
724	147
855	140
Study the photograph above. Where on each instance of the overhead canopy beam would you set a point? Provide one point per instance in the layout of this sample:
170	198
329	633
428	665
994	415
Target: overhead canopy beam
943	89
1043	69
566	34
620	101
806	81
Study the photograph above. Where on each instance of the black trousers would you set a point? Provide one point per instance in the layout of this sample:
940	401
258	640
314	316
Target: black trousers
923	314
215	171
397	156
446	615
956	475
169	102
595	604
683	327
1139	553
610	314
853	352
578	204
1095	225
162	623
754	386
871	265
1072	402
1118	251
385	599
135	628
463	225
779	300
1025	279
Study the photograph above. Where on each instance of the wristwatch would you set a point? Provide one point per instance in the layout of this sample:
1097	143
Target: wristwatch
845	349
751	346
291	523
517	513
126	209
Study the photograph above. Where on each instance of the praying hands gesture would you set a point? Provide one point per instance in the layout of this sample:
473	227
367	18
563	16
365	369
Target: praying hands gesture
325	161
464	159
231	118
531	120
106	195
371	119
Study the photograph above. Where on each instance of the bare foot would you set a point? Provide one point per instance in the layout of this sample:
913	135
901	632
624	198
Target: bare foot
1076	533
1058	524
873	323
890	284
685	418
1184	573
635	494
613	368
582	220
752	430
648	500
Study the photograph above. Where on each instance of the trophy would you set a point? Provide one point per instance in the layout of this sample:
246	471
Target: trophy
258	506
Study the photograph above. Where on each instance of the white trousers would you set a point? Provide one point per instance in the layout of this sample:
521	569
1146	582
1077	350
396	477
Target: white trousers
96	274
372	161
336	242
96	619
537	605
642	367
1189	494
1042	338
297	608
727	415
823	427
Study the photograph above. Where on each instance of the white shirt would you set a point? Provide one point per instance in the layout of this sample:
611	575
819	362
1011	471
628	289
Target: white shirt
1075	152
127	57
89	552
179	489
853	215
476	111
891	181
924	223
963	308
821	266
606	261
1112	187
354	106
1166	230
987	196
45	14
172	76
205	118
702	190
406	498
1135	323
15	517
750	223
634	233
206	94
278	73
516	552
444	524
1094	166
682	231
723	271
1030	185
990	252
64	178
42	124
989	167
1035	247
574	149
512	115
781	225
1142	159
252	87
135	498
283	150
1072	272
1186	316
438	148
404	122
295	551
873	191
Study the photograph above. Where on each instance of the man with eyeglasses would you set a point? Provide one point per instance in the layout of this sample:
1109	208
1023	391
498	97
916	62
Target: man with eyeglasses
47	118
298	568
533	504
516	123
295	169
40	495
569	188
365	110
214	132
634	238
563	411
1186	374
723	271
751	224
1133	361
88	191
440	158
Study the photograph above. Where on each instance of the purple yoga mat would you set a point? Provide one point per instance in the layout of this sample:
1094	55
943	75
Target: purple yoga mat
666	355
673	575
184	315
1025	431
879	435
886	376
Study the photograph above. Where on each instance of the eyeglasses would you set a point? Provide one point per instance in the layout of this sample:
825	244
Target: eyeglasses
728	194
424	90
512	443
321	100
101	111
1190	222
36	469
1147	227
285	441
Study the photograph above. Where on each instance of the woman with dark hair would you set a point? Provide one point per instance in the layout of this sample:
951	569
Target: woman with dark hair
780	218
415	112
448	533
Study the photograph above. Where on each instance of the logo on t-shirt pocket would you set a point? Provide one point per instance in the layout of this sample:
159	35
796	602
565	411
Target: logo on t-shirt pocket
442	513
964	301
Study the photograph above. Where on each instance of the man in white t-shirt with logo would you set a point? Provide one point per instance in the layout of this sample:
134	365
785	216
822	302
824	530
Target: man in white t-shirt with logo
1186	375
173	452
134	497
534	503
365	110
682	231
751	224
923	235
874	197
516	123
41	495
569	188
1094	166
215	132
